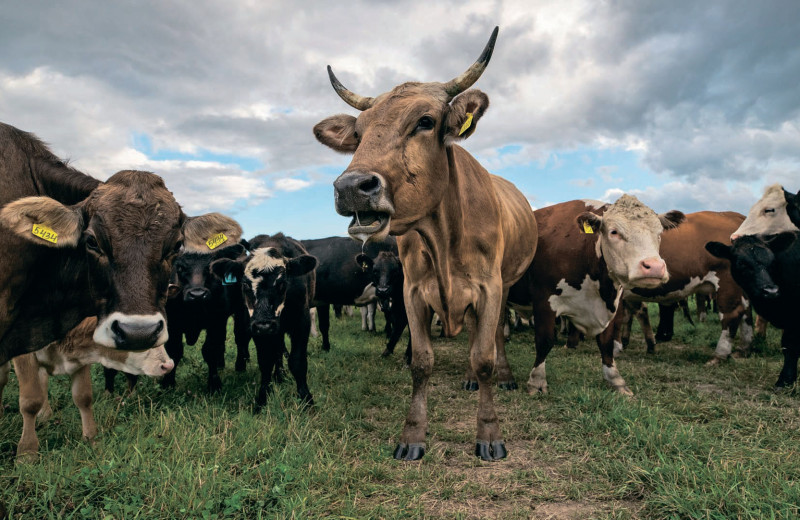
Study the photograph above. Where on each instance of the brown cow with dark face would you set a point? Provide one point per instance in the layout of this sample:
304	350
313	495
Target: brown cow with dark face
464	236
73	247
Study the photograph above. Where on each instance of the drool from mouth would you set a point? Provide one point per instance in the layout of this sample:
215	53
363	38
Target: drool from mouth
367	225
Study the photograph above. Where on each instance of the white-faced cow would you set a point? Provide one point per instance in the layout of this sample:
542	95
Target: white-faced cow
278	286
767	269
464	236
73	355
588	252
772	214
73	247
694	271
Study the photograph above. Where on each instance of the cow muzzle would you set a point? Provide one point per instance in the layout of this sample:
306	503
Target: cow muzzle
650	273
362	195
265	327
196	294
131	331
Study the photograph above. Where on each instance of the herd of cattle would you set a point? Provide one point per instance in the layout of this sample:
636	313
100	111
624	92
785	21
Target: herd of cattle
114	272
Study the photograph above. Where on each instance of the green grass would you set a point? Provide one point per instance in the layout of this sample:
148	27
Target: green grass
693	443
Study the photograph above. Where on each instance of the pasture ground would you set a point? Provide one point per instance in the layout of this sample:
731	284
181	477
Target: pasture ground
693	443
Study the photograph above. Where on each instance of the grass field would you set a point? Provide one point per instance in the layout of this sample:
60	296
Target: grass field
693	443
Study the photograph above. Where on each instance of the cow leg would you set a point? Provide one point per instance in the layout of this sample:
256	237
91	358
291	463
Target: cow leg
109	374
505	377
371	308
5	368
605	342
323	313
82	397
731	305
666	321
174	348
412	440
363	311
45	412
573	336
269	350
745	333
213	348
761	326
544	324
643	316
628	310
486	326
397	317
241	334
702	301
790	345
314	331
31	398
298	357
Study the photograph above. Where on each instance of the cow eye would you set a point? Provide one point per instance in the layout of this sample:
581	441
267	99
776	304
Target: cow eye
92	245
613	232
769	210
425	123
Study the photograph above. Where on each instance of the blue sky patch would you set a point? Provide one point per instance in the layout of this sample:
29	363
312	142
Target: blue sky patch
143	143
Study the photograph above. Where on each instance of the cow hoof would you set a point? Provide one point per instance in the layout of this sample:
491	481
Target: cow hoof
714	361
386	353
411	451
663	337
490	451
214	385
533	389
470	386
651	350
508	385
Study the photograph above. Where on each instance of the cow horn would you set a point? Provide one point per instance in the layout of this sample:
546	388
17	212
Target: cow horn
351	98
458	85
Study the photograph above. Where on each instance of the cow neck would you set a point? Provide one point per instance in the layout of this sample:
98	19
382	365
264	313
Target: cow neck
445	231
609	288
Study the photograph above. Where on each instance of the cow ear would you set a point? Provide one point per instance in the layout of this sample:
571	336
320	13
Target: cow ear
588	222
44	221
233	252
672	219
301	265
720	250
338	132
204	233
227	268
364	262
782	241
465	111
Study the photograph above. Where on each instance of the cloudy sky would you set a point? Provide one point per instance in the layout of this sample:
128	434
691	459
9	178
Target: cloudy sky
687	104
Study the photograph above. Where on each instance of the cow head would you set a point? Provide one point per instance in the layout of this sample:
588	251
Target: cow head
266	279
751	257
629	236
399	143
192	277
768	216
386	274
153	362
131	228
793	207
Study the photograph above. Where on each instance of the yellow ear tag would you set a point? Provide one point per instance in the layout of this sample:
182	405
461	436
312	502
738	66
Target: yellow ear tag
466	124
587	228
45	233
217	240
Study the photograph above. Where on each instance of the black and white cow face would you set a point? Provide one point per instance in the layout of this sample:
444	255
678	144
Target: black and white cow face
267	284
768	216
751	258
192	277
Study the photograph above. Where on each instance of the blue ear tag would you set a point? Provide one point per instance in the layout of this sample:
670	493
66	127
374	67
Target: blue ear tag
229	279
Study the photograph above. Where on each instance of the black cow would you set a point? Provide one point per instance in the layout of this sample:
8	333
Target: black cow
73	247
767	271
278	285
793	207
339	280
386	274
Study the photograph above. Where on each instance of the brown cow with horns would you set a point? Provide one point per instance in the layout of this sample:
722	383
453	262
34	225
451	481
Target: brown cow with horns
464	236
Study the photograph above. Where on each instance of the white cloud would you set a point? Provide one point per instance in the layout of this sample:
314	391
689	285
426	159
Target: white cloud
291	184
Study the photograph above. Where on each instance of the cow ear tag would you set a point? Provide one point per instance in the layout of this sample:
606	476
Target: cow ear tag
45	233
229	279
217	240
466	124
587	228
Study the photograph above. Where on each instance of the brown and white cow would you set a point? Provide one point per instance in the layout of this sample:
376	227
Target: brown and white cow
73	247
693	270
770	215
464	236
73	356
588	252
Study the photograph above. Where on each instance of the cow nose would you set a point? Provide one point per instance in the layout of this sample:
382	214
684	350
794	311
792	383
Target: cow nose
197	293
263	328
734	236
771	291
382	292
167	366
354	190
653	267
136	335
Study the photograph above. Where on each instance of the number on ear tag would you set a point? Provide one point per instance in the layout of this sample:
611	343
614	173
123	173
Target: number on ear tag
216	240
45	233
